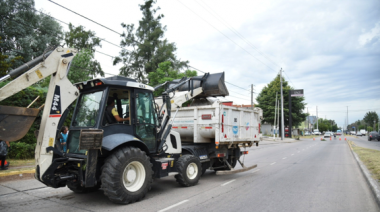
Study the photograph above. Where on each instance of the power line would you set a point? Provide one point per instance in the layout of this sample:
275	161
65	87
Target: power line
225	81
85	17
225	23
225	35
236	33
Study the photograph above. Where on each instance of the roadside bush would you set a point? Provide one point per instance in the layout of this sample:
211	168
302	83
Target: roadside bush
20	150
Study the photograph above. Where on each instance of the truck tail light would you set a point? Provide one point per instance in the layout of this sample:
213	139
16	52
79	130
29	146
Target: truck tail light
245	152
222	123
220	155
259	128
98	83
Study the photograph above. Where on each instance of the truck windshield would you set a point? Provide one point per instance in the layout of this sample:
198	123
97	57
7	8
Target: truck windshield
87	110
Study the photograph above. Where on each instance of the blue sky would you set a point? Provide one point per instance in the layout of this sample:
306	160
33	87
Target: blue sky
331	49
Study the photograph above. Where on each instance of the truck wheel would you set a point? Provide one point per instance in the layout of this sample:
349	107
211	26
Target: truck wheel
126	175
189	170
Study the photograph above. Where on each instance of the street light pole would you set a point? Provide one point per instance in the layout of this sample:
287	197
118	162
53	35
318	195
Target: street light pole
282	108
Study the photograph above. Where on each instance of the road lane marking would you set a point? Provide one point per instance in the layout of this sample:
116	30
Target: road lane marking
255	170
172	206
284	158
273	163
292	154
227	183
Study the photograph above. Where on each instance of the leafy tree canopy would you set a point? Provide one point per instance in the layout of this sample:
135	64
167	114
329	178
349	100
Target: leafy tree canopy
164	73
146	46
371	117
326	125
25	33
267	99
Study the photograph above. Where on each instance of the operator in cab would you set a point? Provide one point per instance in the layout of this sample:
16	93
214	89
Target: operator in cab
112	116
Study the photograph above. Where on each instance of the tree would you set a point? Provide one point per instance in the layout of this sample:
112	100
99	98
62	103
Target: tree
267	98
371	117
84	66
6	64
164	73
146	46
25	33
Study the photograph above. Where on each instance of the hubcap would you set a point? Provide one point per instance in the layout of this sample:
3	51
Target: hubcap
134	176
192	171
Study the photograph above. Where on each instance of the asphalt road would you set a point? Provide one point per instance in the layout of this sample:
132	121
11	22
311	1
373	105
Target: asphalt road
301	176
362	141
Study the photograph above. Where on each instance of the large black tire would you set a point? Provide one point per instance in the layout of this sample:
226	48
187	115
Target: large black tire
126	175
189	170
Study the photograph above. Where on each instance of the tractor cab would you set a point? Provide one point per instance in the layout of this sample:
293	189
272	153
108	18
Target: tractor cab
100	101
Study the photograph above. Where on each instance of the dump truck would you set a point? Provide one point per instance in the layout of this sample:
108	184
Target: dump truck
157	138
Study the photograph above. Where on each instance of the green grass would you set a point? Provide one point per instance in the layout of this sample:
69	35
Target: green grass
18	162
370	158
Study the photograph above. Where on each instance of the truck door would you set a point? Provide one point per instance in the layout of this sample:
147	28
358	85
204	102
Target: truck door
146	119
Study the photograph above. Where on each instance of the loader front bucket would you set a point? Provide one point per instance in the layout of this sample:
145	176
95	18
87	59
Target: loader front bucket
15	122
213	85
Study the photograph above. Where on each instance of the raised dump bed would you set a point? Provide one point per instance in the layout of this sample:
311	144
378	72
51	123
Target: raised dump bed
218	123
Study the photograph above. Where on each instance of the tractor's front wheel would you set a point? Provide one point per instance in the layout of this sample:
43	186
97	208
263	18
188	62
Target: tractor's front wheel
126	175
189	170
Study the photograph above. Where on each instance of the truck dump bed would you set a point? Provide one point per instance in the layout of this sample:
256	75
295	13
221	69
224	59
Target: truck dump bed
218	123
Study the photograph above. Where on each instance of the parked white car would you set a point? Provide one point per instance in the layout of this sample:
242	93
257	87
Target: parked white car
316	132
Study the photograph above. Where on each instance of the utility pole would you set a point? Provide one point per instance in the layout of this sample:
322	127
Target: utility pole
308	119
317	118
347	117
275	110
251	96
282	108
278	115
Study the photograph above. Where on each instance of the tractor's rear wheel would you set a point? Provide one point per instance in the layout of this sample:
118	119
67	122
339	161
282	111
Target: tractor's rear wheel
126	175
189	170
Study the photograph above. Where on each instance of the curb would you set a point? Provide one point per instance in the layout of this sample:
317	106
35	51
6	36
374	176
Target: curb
375	188
31	171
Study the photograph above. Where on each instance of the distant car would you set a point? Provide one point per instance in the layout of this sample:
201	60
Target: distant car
352	133
316	132
373	136
359	134
327	135
307	133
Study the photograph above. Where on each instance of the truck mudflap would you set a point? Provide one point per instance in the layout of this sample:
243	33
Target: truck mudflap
233	171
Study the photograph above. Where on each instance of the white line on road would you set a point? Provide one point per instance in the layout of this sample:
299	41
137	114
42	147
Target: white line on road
227	183
172	206
284	158
273	163
255	170
292	154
